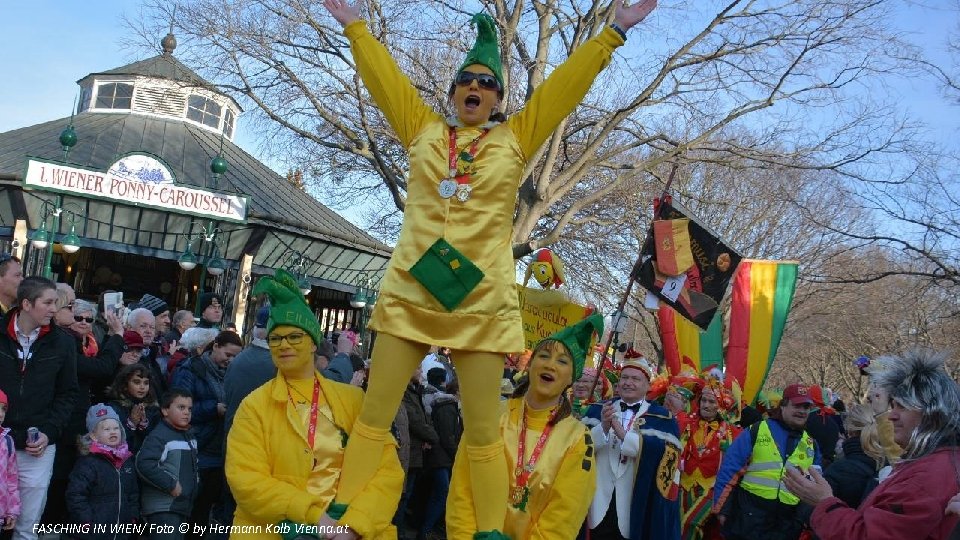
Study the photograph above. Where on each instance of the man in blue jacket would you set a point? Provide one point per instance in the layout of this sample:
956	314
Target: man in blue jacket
749	496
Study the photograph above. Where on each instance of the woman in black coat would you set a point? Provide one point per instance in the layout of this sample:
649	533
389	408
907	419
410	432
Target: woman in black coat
445	415
854	475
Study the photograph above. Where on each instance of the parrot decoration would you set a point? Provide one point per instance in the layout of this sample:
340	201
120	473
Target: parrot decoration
546	268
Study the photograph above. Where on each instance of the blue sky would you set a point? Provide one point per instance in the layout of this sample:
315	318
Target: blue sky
48	45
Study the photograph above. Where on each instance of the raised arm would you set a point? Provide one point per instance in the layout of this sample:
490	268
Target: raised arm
391	90
566	87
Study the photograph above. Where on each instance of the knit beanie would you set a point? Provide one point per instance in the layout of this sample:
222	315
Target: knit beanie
98	413
205	300
154	304
287	306
3	398
485	51
577	339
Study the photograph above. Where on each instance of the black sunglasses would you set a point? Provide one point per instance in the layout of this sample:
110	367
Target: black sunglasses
83	319
486	81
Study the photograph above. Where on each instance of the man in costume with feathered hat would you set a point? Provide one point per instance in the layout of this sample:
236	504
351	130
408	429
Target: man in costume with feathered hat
638	459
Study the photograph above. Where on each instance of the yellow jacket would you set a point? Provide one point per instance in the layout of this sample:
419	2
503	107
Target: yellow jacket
269	463
482	228
561	486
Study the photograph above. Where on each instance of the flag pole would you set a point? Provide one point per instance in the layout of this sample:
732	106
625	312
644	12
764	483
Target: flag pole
633	277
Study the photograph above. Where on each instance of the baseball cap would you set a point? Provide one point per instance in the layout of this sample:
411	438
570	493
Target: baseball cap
798	394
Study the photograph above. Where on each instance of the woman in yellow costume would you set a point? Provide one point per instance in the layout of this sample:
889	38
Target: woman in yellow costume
548	451
705	434
285	449
451	278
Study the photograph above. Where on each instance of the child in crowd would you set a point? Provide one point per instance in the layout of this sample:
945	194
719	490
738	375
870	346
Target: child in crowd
167	464
135	402
9	482
103	487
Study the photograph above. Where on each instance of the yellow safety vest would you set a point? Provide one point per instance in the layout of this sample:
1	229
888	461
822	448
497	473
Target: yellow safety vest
764	476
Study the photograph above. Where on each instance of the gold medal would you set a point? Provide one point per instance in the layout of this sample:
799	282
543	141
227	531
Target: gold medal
463	192
516	496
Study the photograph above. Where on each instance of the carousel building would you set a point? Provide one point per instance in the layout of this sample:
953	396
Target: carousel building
142	190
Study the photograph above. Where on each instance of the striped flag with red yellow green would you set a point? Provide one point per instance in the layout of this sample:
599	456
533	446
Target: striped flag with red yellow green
684	344
762	294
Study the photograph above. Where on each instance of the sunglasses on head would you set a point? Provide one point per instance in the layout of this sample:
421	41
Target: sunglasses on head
484	80
83	319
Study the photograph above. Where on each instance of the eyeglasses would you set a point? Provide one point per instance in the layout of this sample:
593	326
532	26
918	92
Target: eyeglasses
486	81
293	339
83	319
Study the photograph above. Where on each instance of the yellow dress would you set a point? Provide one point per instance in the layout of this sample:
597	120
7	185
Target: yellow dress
561	485
275	476
489	317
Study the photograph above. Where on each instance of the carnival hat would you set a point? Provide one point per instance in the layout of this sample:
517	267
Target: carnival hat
640	363
917	380
287	306
486	50
576	339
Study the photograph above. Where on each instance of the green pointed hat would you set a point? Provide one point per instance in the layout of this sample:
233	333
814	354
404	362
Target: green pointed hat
577	340
486	51
287	305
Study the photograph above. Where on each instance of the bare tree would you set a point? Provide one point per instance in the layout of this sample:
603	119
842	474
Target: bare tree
685	77
838	322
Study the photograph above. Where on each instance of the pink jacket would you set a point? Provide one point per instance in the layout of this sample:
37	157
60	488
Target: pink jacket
908	504
9	481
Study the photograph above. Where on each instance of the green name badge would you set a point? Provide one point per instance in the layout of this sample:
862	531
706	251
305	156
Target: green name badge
446	274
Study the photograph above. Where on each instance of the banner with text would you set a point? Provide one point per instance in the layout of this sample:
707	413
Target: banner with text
545	312
137	179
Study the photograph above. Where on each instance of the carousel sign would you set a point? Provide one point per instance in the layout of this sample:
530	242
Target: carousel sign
138	179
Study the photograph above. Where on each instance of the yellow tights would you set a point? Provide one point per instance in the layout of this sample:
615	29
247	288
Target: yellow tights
394	361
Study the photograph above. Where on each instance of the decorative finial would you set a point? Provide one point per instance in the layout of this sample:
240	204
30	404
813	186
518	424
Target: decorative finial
168	43
218	165
68	137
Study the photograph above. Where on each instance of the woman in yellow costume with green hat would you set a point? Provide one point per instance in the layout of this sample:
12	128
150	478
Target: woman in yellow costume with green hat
285	449
451	278
548	451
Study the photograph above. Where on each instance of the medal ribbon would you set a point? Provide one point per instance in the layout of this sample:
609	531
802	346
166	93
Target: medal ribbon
314	410
523	473
463	179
